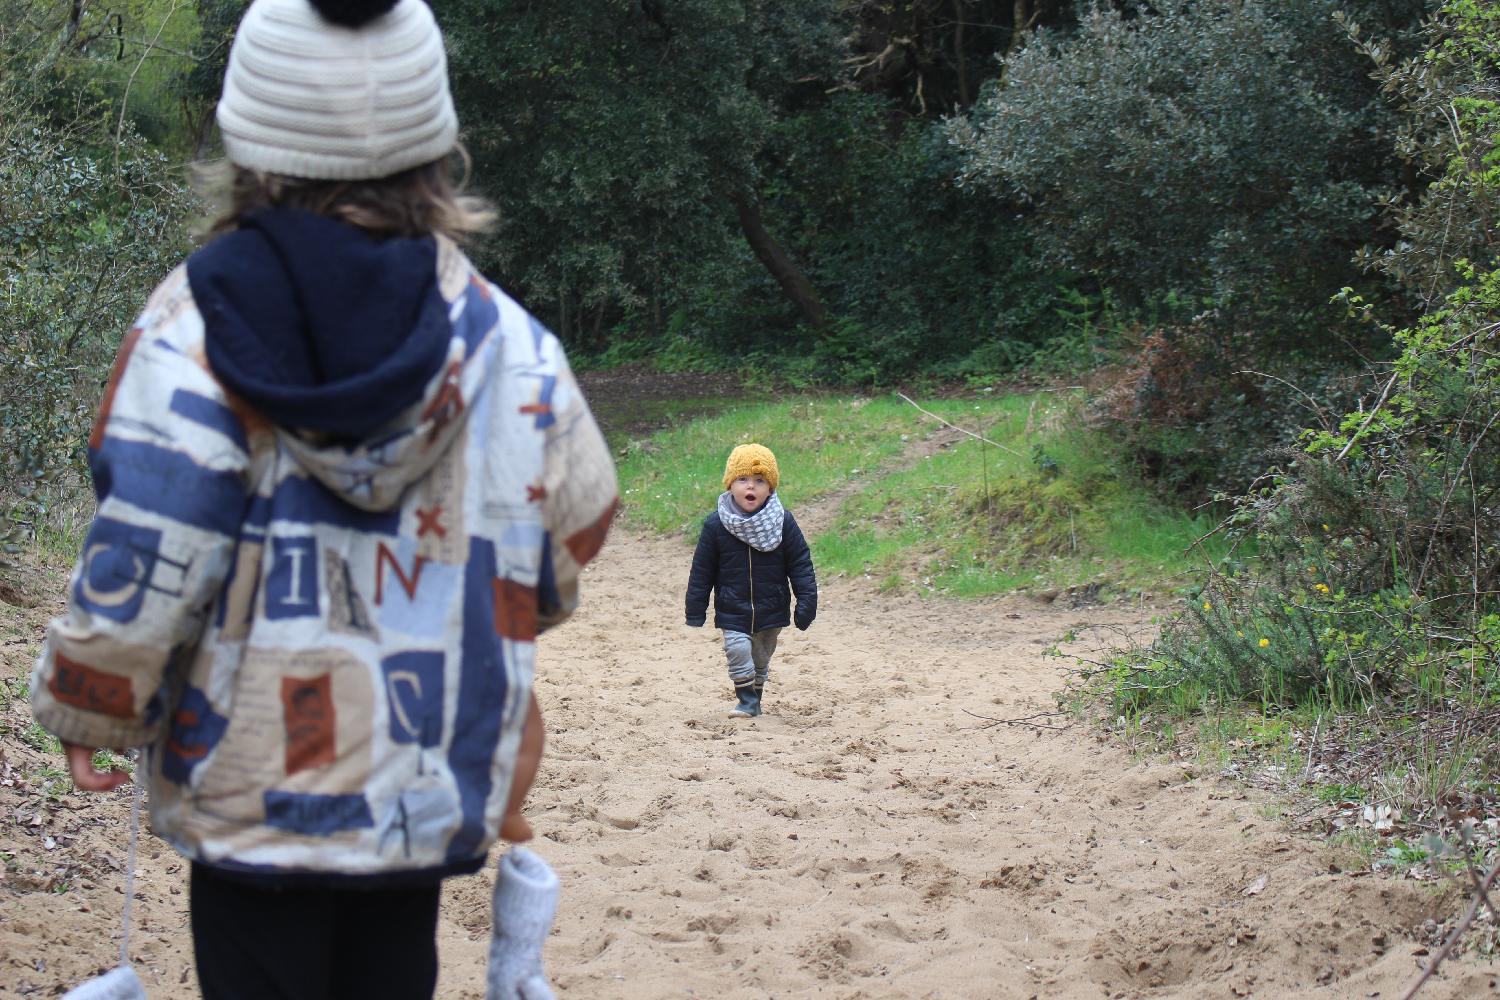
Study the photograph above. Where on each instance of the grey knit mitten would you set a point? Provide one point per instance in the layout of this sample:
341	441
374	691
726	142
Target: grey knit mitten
525	902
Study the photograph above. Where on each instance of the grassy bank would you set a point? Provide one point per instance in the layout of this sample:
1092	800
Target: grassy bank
1038	505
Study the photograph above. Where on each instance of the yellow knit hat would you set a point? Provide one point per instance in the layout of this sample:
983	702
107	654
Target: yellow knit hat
752	460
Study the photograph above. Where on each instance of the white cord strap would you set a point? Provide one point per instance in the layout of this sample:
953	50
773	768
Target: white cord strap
121	982
135	834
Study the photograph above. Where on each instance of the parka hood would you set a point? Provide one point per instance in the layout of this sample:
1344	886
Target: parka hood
342	340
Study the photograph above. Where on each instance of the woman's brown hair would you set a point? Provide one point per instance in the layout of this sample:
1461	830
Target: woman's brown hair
416	202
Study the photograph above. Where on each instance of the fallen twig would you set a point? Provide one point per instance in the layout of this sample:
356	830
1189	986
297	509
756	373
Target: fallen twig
1474	879
1480	897
1312	746
1024	720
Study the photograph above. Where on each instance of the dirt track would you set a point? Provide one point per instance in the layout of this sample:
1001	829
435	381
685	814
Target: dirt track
866	838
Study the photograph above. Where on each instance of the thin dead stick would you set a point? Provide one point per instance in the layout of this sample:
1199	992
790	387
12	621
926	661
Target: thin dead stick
125	98
1474	879
1024	720
977	437
1369	419
1484	897
1312	746
1458	932
1312	403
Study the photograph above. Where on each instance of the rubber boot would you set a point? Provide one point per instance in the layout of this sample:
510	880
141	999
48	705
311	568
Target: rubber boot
747	702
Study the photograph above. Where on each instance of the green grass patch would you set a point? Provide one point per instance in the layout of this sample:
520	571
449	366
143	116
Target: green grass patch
37	738
1335	792
672	480
925	507
1042	507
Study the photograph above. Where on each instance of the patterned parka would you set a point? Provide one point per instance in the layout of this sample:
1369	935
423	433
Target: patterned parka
327	643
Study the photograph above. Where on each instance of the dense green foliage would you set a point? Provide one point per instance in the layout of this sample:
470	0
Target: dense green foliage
1215	168
1192	149
1379	545
922	277
617	137
625	146
90	217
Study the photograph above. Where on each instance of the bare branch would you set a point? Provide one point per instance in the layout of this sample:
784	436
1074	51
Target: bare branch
125	98
977	437
1458	932
1390	383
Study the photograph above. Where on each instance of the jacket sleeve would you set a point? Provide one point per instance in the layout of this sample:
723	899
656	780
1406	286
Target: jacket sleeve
170	465
582	496
799	571
703	576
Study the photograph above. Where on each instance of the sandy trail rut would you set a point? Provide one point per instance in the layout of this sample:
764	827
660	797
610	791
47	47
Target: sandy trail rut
864	839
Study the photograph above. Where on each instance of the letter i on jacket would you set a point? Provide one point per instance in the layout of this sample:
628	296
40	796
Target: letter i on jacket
753	559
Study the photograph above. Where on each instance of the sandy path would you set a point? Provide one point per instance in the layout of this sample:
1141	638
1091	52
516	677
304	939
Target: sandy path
864	839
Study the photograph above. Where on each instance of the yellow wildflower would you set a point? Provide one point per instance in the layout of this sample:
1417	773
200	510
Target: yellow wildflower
1264	643
1207	606
1239	633
1321	588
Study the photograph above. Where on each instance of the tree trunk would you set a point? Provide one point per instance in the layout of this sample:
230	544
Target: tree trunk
597	342
75	22
1020	20
958	53
793	282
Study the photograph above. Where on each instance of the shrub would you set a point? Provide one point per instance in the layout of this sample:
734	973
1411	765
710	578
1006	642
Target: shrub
1186	148
1202	416
1379	568
83	238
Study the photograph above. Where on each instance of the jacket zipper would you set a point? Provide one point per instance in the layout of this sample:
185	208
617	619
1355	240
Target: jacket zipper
751	550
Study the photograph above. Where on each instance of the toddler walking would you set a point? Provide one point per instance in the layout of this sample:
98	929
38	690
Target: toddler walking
753	557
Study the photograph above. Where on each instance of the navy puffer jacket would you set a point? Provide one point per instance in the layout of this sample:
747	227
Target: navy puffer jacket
750	587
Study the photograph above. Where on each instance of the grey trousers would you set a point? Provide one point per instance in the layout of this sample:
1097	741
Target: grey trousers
750	655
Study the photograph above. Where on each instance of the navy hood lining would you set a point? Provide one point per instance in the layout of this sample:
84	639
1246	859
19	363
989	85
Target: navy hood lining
318	324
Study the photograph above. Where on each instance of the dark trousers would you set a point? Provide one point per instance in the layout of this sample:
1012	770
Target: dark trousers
257	943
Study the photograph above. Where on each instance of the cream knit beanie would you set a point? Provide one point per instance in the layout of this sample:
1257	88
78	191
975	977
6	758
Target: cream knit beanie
359	99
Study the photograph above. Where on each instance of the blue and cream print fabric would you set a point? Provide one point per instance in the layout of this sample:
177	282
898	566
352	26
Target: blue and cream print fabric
327	645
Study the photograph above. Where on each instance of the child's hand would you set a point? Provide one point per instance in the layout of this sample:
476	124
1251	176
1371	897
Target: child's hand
801	620
87	777
514	827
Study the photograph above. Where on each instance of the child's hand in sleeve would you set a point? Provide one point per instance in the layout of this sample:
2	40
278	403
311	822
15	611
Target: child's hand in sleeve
802	617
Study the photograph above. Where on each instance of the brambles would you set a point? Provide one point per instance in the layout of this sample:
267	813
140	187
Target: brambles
1369	610
91	217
